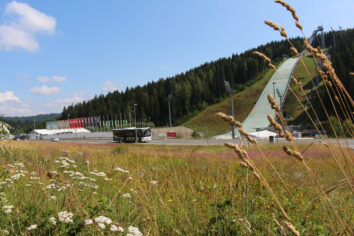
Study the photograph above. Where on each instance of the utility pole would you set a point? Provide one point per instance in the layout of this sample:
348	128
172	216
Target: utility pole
169	108
230	92
135	122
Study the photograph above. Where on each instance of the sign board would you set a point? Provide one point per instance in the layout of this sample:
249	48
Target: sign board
171	134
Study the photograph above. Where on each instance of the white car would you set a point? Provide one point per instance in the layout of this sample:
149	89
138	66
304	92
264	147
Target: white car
55	140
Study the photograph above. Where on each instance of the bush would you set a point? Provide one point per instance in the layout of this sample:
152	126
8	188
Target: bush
195	134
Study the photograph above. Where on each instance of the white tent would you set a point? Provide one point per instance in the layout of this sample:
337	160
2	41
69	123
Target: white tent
57	131
262	134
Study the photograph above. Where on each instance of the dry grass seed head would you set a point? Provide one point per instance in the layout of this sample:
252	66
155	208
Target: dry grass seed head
294	50
245	133
272	24
275	125
294	80
293	153
288	136
289	8
272	103
228	118
298	25
283	32
262	55
291	227
351	73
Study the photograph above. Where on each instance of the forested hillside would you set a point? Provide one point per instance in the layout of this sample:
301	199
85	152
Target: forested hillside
191	91
204	85
342	57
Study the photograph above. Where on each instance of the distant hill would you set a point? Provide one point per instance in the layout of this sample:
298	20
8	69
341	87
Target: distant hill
37	118
24	124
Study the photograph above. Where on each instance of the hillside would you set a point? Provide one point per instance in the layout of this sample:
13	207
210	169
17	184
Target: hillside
38	118
191	92
208	123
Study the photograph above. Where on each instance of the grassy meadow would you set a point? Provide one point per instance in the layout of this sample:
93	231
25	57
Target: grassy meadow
94	189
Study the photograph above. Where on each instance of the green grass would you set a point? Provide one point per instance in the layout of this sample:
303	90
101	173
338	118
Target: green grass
198	190
207	122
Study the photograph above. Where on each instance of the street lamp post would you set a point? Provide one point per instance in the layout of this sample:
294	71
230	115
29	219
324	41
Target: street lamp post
230	92
281	108
135	122
169	109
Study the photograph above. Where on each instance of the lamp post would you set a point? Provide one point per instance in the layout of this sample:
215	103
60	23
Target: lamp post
169	109
281	108
135	122
230	92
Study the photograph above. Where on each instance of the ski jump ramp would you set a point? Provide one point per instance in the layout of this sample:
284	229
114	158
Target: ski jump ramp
258	116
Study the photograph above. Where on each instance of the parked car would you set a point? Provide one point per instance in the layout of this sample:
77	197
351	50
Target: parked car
55	140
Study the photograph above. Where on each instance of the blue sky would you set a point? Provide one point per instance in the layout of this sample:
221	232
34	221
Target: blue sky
54	53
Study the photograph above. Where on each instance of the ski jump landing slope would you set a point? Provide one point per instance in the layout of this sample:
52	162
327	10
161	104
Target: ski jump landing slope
258	116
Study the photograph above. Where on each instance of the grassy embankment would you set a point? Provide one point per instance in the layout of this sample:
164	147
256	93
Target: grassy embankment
207	122
161	190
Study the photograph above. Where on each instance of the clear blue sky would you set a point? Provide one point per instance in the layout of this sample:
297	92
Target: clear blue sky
58	52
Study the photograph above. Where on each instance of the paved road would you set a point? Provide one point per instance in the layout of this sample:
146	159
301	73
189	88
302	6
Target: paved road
197	142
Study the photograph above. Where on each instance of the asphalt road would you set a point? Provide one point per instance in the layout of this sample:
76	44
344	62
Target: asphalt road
198	142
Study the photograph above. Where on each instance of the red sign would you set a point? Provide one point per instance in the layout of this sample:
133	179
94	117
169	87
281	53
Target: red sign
171	134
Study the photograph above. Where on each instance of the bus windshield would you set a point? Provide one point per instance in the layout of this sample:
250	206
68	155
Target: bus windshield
147	133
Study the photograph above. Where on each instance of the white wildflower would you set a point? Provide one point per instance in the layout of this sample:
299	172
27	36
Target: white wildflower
126	195
32	227
114	228
53	197
133	231
53	220
15	177
121	170
8	209
65	216
133	191
51	186
154	182
108	179
102	174
19	164
101	225
88	222
103	219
